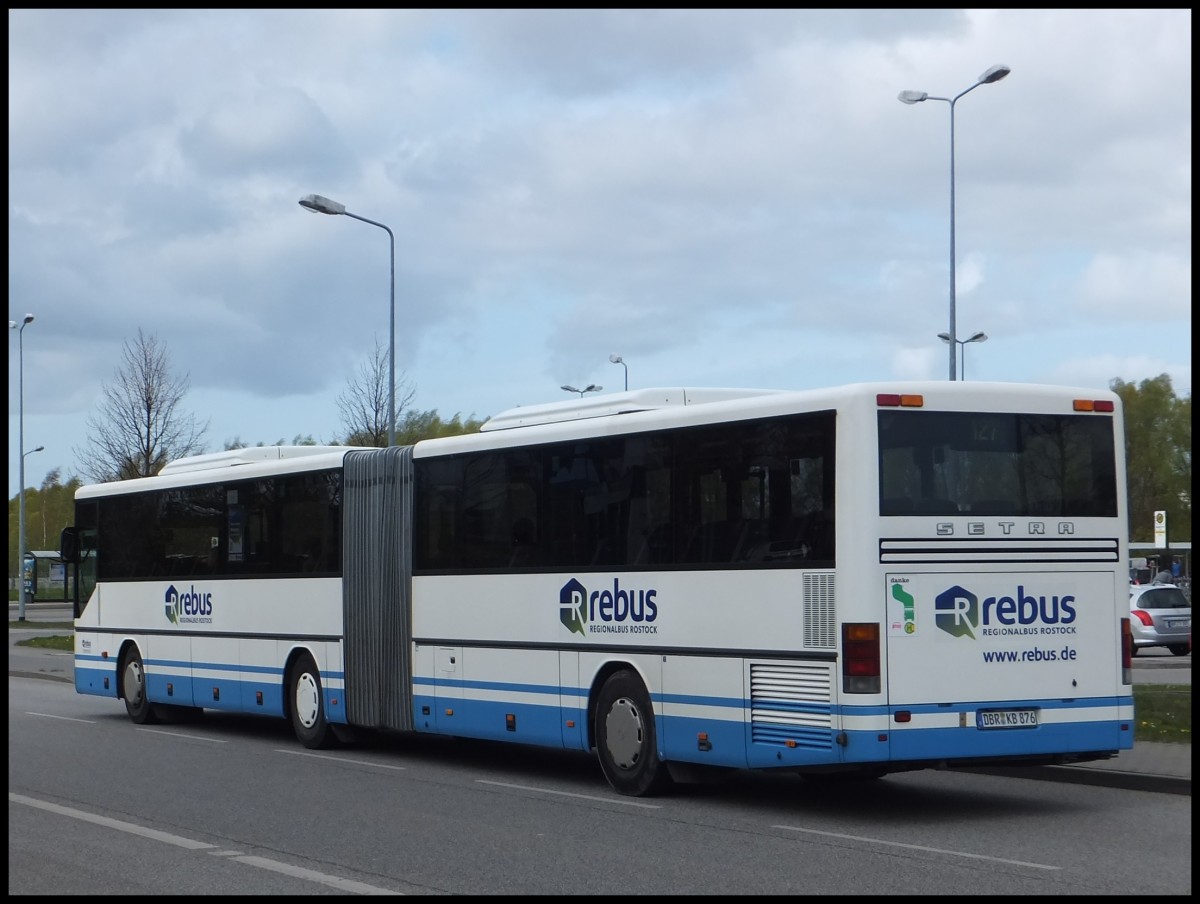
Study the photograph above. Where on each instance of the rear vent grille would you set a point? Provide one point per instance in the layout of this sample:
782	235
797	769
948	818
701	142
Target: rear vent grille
791	703
820	612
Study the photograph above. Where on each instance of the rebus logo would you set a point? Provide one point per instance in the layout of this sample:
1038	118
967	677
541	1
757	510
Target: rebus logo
615	611
188	603
572	607
958	611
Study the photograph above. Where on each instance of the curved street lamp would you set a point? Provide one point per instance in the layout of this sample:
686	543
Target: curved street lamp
591	387
319	204
962	344
617	359
20	328
915	97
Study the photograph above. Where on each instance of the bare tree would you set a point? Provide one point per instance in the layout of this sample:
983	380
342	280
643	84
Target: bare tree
140	426
364	404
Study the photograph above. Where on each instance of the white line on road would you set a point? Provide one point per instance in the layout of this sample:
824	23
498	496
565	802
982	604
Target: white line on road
297	872
338	759
180	734
63	718
603	800
918	847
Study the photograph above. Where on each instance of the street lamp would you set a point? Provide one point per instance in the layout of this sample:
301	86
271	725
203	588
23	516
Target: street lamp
962	344
20	328
617	359
319	204
591	387
915	97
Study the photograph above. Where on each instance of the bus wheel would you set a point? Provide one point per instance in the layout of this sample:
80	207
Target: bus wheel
133	689
625	738
307	704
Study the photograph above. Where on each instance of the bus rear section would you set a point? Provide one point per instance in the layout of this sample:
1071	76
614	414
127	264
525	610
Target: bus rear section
991	663
1001	570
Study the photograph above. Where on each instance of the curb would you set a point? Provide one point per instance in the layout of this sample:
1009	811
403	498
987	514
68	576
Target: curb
1082	775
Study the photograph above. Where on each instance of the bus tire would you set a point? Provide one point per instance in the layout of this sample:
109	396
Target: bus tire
626	742
133	689
306	704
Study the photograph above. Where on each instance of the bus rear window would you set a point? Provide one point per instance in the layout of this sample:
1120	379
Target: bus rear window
984	463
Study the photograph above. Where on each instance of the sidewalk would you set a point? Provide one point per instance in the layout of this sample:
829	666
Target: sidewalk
1149	766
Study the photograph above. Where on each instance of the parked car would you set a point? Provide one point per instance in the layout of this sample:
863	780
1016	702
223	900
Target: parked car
1160	616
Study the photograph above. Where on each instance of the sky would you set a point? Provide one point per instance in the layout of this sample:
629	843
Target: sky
722	198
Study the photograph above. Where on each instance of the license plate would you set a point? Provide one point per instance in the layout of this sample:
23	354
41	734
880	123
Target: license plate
1179	622
1006	718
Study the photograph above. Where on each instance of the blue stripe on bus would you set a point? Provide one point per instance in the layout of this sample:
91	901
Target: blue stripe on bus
444	706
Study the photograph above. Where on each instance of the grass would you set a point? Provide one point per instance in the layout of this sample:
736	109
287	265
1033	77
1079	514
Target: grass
1163	712
57	642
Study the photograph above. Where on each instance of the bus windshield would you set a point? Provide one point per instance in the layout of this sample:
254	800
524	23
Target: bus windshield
1036	465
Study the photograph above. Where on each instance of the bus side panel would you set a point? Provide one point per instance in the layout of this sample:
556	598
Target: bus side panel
95	653
216	673
707	724
424	693
508	695
95	663
572	702
261	684
333	681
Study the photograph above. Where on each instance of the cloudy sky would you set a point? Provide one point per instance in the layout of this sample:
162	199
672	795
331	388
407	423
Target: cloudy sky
723	198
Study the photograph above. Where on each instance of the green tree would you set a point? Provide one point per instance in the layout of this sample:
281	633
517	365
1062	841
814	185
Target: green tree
1158	457
297	440
419	425
48	510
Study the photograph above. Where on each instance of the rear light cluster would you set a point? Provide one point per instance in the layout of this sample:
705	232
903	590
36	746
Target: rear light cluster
1143	617
861	672
914	400
1126	652
899	400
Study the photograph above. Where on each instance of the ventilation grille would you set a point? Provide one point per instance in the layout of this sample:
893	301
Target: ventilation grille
1031	550
791	703
820	612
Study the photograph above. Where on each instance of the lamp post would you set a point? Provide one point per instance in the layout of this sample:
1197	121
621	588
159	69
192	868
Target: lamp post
319	204
591	387
962	344
20	328
915	97
617	359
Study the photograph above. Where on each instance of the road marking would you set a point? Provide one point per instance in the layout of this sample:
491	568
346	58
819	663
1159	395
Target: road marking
62	718
918	847
603	800
180	734
297	872
338	759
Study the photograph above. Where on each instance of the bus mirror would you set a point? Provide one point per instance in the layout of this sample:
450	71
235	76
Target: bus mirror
68	545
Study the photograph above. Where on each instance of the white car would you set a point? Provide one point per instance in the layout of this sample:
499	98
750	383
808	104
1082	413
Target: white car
1160	616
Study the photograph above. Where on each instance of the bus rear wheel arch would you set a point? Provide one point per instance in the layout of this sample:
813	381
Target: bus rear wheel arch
133	687
626	738
306	704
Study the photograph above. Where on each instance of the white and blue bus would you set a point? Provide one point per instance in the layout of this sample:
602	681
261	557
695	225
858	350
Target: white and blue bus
860	580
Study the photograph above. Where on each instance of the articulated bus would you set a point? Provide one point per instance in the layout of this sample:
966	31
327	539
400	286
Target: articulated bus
853	581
